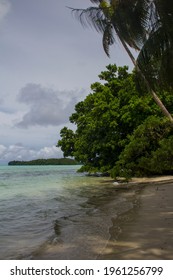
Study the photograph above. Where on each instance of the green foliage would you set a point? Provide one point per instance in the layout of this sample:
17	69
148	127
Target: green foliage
145	146
161	161
118	127
50	161
67	144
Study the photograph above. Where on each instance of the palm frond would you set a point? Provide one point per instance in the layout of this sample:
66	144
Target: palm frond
95	1
91	17
131	20
164	10
108	38
155	46
156	56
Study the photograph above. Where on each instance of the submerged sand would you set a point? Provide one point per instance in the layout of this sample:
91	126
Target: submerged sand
146	231
142	227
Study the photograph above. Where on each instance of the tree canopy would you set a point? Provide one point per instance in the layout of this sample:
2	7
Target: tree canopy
119	128
49	161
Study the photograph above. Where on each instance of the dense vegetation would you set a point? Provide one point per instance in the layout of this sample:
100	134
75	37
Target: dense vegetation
50	161
119	128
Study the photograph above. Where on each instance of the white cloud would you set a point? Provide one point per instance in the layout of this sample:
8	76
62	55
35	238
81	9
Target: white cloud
4	8
20	152
47	106
2	149
49	152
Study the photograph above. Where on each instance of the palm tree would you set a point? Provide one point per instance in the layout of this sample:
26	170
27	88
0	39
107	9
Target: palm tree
137	24
158	50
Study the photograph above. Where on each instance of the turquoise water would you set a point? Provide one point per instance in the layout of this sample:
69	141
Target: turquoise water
51	210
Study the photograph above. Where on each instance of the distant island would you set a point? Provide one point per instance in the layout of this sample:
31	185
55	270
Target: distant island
50	161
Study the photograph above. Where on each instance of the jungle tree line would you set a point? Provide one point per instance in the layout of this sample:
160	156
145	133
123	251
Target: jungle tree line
119	128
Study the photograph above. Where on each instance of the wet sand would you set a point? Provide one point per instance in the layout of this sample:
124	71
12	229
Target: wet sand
139	226
146	231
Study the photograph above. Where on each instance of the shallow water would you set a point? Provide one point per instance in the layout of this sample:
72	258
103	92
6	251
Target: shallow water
53	212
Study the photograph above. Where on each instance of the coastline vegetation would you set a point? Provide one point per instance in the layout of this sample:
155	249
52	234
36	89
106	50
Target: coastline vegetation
120	130
50	161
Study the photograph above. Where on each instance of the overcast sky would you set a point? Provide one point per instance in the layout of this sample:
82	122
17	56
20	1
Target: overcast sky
47	64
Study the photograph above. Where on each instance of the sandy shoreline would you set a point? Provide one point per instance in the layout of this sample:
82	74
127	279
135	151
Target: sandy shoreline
140	227
146	231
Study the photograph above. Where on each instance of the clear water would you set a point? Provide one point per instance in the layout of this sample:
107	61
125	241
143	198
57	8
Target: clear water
54	212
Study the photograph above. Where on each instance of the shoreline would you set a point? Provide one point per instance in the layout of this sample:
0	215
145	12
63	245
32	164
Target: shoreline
141	225
146	230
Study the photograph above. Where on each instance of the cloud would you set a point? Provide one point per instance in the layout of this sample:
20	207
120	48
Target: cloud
2	149
4	8
49	152
47	106
20	152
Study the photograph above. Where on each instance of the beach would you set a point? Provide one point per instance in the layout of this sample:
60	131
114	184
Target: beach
53	212
142	227
146	231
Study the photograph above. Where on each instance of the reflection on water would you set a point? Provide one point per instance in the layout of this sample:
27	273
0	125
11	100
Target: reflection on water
52	212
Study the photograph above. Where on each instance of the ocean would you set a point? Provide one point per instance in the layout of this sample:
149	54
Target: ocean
53	212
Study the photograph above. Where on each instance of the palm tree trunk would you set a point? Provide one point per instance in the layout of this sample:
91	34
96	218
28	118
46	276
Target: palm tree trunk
149	87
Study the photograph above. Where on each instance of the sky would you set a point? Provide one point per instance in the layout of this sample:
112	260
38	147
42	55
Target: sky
47	63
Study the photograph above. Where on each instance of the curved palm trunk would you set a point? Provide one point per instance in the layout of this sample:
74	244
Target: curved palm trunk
154	95
108	16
